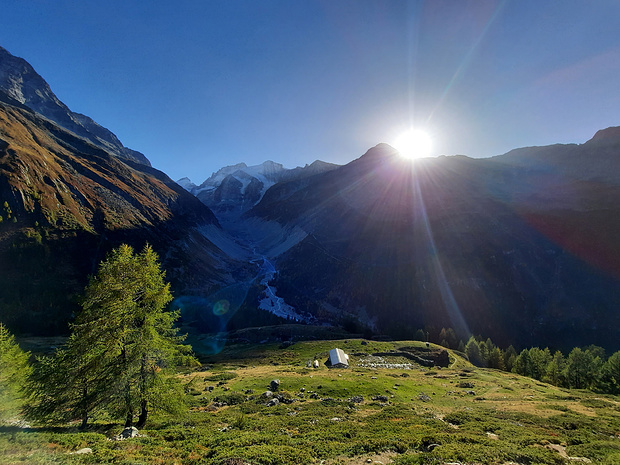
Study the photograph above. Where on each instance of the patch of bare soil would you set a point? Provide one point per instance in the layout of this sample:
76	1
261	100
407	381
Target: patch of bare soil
560	449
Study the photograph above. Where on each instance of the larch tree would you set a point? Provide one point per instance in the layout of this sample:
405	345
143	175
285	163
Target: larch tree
72	384
14	370
473	352
611	374
554	373
125	318
578	370
122	347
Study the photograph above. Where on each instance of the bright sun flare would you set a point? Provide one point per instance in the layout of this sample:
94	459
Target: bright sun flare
414	144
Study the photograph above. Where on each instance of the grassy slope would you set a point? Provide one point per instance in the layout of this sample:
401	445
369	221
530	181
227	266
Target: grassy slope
430	417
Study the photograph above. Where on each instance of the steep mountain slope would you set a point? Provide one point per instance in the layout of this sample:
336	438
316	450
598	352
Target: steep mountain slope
570	193
65	202
22	83
453	242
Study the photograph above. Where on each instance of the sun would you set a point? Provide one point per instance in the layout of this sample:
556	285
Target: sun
414	143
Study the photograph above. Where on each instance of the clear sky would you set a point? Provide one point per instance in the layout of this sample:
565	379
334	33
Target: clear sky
197	85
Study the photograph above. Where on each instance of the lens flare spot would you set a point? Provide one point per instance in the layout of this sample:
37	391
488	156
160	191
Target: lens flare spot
221	307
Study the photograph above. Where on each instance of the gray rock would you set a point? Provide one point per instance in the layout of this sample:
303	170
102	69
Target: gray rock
129	432
85	450
275	384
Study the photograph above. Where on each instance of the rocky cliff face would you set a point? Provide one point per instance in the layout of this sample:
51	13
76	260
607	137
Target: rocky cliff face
22	83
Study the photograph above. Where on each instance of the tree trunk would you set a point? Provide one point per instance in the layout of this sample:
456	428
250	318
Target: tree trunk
84	406
128	406
143	414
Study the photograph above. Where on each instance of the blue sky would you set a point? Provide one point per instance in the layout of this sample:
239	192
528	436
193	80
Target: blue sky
197	85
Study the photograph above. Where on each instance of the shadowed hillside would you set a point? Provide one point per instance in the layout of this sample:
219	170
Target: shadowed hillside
65	202
521	251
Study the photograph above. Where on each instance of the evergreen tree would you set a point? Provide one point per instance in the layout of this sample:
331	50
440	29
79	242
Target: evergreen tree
610	374
73	384
580	370
596	351
485	347
14	370
122	345
539	359
419	335
554	373
496	359
472	350
522	365
448	338
509	358
491	354
140	340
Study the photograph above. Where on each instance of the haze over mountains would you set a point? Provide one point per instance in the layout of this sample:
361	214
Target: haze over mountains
521	247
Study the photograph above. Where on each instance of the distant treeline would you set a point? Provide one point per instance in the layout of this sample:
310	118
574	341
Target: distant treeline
583	368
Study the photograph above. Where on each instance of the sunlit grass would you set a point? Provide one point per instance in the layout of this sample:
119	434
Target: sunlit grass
420	416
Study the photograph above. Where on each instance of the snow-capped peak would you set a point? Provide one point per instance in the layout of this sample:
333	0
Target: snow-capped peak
186	184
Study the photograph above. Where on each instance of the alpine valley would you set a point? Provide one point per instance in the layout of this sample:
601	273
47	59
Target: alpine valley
522	248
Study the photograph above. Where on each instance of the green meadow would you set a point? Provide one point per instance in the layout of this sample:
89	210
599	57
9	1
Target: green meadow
382	409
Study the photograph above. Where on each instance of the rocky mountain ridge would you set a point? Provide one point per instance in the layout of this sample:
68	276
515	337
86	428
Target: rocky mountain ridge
21	82
237	188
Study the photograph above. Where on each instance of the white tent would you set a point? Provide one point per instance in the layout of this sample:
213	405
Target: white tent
338	359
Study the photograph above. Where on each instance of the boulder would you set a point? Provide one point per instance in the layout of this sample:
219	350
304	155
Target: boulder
424	397
129	432
85	450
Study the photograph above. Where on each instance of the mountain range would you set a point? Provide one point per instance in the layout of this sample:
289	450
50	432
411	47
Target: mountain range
235	189
521	248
